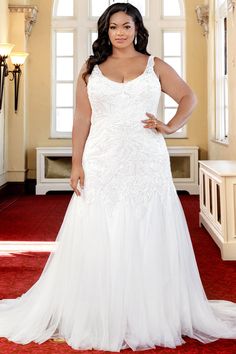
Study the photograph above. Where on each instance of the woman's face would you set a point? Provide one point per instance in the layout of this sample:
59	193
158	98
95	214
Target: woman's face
121	30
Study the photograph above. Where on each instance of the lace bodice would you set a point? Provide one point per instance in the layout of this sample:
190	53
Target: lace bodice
131	99
122	159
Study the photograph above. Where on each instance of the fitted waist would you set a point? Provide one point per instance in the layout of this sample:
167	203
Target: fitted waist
123	118
123	137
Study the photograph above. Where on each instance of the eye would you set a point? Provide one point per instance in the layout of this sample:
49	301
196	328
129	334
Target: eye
112	27
127	27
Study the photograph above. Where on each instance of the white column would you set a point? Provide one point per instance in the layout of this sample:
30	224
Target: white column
3	113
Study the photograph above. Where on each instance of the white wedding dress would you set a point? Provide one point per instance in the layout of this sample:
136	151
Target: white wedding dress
124	272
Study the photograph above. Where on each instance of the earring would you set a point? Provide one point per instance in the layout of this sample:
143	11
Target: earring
109	43
135	40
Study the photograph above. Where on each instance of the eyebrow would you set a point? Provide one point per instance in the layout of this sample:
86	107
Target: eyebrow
116	23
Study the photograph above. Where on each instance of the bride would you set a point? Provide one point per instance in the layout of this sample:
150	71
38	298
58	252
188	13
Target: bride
124	274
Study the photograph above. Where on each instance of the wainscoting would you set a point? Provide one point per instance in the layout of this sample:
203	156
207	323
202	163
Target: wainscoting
218	204
54	166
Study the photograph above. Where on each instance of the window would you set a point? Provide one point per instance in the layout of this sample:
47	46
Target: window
172	54
221	74
172	8
63	8
173	25
73	32
63	65
64	81
97	7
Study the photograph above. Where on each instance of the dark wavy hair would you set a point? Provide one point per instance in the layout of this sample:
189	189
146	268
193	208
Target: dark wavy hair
102	47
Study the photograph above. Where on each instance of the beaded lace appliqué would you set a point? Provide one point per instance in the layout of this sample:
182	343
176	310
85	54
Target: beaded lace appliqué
124	162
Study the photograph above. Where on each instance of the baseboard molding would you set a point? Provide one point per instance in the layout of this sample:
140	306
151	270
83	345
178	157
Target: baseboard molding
18	188
3	178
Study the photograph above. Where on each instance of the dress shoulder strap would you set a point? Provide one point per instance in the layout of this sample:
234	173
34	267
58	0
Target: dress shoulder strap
150	64
151	61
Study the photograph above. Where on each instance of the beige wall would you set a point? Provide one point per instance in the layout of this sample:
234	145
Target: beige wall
17	122
218	151
39	67
35	126
196	76
13	125
34	123
39	78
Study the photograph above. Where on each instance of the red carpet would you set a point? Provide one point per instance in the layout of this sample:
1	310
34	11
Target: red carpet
32	217
18	273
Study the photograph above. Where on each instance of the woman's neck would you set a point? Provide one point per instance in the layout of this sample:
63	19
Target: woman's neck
124	52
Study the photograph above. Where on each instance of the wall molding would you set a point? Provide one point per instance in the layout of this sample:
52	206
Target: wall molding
231	5
30	13
16	176
202	13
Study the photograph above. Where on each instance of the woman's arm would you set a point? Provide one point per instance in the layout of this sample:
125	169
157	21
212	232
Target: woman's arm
174	86
80	131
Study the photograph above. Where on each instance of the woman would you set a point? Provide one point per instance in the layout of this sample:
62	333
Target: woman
124	272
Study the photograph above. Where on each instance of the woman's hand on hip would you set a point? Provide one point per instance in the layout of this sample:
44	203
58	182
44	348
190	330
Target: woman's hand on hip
153	123
77	176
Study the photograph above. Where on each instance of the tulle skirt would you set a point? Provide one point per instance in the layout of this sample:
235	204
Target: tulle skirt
118	281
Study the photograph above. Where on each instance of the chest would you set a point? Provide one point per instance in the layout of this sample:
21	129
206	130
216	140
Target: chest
121	72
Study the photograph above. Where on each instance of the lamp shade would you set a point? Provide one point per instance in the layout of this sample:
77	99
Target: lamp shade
18	58
6	48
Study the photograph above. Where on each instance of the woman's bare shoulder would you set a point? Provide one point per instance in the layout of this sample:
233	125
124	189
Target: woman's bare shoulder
158	65
158	62
83	70
161	66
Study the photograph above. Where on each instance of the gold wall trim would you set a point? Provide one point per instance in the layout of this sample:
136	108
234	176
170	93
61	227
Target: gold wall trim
202	13
30	13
